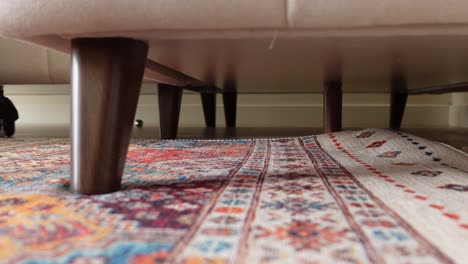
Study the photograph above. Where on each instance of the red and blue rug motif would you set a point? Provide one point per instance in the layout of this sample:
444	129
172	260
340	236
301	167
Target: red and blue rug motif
372	196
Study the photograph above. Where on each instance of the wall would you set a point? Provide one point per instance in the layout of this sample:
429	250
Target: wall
49	105
459	110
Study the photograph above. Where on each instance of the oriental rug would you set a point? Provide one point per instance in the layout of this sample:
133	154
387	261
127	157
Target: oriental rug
370	196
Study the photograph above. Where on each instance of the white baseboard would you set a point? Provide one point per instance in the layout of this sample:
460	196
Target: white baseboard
253	111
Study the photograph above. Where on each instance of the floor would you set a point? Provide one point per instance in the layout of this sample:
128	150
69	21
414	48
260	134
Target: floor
457	137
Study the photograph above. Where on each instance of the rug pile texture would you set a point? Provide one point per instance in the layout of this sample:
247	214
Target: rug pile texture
370	196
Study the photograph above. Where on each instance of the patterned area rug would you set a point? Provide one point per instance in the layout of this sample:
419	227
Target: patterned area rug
372	196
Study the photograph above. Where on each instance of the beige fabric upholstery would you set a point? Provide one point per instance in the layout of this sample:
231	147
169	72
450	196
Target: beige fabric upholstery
25	18
265	43
22	63
341	14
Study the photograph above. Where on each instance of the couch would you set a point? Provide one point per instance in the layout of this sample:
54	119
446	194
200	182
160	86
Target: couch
399	47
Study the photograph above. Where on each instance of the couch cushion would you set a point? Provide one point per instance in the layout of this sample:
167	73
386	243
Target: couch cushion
25	18
342	14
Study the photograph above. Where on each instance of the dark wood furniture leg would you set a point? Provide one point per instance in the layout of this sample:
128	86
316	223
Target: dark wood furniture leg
332	106
230	108
209	108
170	98
397	103
106	78
230	102
397	109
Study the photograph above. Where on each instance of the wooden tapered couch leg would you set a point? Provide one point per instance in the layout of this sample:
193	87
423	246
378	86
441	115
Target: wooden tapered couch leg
170	98
230	102
230	108
397	109
398	99
332	106
209	108
106	78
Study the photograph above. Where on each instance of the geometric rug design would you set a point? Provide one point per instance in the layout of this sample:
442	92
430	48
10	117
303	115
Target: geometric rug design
369	196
